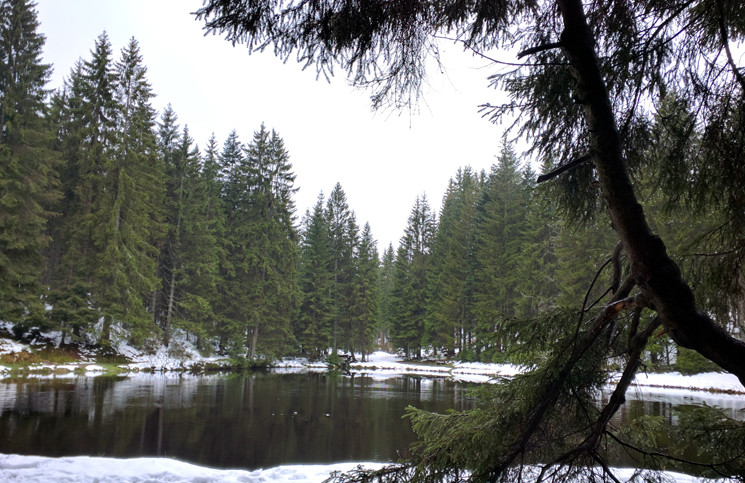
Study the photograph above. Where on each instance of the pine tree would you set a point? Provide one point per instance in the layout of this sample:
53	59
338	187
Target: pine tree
313	328
262	295
114	191
365	294
385	314
338	219
28	181
496	246
128	218
448	300
168	141
88	137
536	271
409	284
200	307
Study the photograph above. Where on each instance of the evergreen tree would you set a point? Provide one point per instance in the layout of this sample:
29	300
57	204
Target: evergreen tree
385	313
496	248
261	297
205	231
88	137
168	141
313	328
338	219
128	218
365	294
536	272
449	301
28	181
409	284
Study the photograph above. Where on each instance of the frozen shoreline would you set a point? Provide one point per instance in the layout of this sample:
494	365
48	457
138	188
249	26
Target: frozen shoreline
85	469
381	365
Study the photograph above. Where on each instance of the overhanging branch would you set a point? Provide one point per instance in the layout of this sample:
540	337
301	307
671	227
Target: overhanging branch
540	48
564	167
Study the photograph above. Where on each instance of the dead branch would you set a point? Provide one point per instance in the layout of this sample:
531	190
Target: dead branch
564	167
540	48
616	257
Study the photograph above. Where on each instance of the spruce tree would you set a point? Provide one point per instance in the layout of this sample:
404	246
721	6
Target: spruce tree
449	301
385	313
260	300
410	284
28	180
313	327
496	247
89	138
338	219
365	294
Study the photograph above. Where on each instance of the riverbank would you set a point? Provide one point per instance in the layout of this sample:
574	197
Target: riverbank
380	365
84	469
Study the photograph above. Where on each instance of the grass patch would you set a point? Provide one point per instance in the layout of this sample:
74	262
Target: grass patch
20	359
61	355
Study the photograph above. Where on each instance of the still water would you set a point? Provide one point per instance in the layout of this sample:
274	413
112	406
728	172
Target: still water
242	421
251	421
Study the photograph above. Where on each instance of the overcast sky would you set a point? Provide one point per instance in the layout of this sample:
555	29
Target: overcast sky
382	160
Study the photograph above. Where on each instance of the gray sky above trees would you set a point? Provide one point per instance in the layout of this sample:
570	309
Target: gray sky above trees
383	160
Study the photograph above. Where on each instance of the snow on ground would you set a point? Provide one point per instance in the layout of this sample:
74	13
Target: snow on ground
380	365
8	346
84	469
709	381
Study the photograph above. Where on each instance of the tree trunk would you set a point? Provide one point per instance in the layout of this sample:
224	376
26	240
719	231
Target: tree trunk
254	339
656	275
169	314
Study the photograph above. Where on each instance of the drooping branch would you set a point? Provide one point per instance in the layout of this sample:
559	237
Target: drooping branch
539	48
725	42
618	303
618	398
656	274
564	167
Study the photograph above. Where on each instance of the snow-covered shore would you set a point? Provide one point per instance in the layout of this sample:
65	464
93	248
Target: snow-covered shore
84	469
381	365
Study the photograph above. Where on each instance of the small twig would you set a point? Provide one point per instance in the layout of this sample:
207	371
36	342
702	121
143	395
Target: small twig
540	48
562	168
587	295
491	59
725	42
616	257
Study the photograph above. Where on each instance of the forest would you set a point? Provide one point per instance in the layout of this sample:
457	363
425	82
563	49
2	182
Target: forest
624	255
117	228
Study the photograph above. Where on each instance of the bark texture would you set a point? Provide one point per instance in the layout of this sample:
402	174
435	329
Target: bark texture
657	276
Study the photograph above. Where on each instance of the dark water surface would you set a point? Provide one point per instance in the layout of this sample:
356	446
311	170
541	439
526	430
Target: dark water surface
243	421
255	421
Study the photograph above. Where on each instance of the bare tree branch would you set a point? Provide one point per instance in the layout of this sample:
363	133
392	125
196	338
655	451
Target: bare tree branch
564	167
540	48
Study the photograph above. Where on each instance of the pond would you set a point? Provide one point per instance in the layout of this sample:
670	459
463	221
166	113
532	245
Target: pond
251	421
243	421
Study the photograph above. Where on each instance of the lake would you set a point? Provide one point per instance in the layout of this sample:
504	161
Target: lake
250	421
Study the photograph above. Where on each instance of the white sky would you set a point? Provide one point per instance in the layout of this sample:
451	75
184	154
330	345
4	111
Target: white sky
382	160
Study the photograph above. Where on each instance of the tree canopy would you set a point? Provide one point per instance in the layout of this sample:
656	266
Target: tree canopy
614	97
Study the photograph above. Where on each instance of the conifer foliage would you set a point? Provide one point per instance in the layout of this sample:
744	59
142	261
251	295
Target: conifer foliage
28	180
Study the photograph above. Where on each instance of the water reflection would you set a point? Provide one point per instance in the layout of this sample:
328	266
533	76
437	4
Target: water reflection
262	419
253	421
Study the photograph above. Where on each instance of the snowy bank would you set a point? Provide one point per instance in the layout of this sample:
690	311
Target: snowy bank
84	469
379	365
